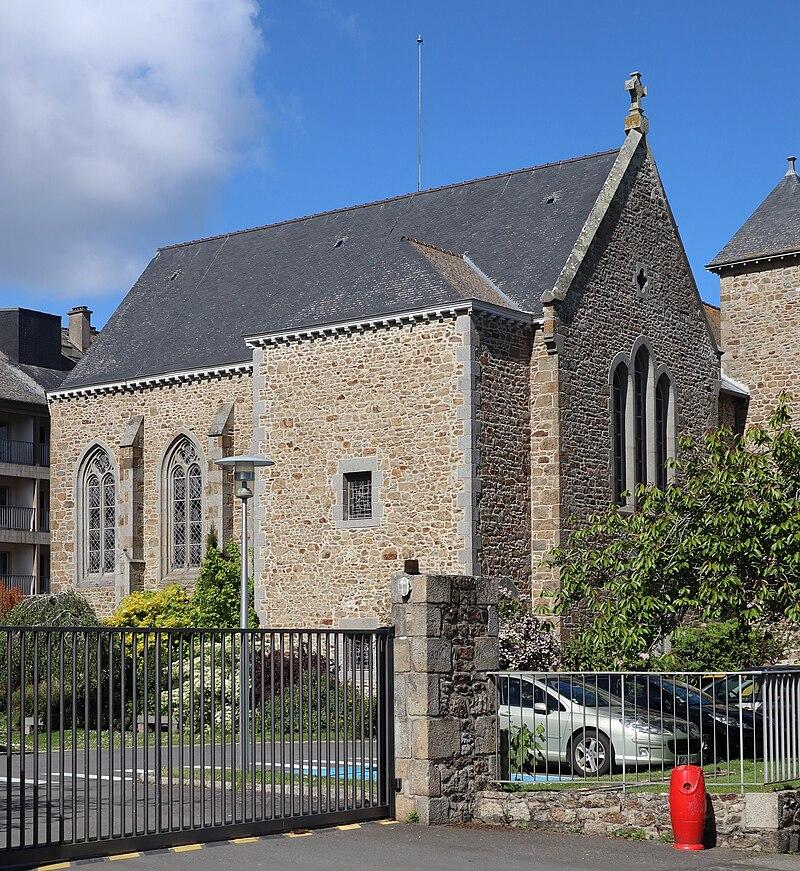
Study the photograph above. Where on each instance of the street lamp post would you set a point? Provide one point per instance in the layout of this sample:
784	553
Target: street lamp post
244	473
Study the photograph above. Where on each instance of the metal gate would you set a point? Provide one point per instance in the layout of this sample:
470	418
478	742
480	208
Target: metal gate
120	739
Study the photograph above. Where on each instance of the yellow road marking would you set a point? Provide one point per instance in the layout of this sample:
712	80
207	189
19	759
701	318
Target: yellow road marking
120	856
349	827
387	822
187	848
56	866
244	840
298	834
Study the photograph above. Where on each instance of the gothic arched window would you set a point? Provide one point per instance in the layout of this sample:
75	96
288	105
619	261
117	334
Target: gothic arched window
664	442
641	372
184	509
98	514
619	396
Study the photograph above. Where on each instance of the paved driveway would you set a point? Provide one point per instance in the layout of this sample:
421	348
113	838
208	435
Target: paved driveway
401	847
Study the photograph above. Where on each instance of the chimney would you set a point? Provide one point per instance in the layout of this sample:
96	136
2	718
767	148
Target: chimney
80	327
791	168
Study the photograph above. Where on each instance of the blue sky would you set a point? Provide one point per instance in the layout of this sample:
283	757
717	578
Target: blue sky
320	112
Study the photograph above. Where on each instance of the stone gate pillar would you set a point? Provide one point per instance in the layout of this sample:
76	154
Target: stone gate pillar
445	717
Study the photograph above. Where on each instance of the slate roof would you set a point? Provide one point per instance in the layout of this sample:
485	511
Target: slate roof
774	227
196	300
20	382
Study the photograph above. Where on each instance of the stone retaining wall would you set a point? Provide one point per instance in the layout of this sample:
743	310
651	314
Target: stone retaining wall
767	822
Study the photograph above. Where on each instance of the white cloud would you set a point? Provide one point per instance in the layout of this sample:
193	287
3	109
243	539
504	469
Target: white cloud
118	120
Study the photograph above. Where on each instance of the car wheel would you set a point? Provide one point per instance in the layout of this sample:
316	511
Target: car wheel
591	753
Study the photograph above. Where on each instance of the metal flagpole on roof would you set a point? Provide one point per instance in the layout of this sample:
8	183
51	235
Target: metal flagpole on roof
419	112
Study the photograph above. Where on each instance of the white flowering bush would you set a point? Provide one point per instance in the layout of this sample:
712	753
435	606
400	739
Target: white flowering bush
526	643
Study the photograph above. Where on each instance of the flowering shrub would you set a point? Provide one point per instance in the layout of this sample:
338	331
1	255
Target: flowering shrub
526	643
9	598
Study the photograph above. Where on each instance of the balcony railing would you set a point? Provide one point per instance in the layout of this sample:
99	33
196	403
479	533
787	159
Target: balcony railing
24	519
12	517
26	583
24	453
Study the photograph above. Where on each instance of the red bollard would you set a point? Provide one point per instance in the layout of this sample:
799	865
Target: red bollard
687	806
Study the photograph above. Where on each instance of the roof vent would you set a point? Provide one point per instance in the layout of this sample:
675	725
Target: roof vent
174	275
551	198
340	241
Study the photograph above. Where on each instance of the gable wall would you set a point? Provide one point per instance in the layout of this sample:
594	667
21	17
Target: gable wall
602	317
166	411
393	396
761	331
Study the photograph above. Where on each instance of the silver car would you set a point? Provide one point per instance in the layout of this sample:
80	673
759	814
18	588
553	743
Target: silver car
568	721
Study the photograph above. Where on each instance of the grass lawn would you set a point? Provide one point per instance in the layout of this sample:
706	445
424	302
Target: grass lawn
81	739
720	777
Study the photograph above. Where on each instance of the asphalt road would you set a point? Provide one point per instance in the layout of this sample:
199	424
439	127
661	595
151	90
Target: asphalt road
402	847
78	795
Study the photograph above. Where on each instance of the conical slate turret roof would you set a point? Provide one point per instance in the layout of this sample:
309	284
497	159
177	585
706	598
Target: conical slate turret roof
773	229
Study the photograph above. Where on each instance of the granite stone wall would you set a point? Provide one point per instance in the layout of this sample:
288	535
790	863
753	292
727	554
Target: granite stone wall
445	718
760	323
504	450
768	822
605	313
136	427
393	397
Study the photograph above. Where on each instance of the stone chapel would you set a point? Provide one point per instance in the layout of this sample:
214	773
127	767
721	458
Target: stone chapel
452	379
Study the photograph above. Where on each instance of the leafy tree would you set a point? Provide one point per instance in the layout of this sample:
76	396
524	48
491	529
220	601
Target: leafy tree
723	543
724	645
216	596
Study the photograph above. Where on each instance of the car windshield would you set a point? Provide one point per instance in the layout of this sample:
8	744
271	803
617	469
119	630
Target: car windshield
686	694
580	692
731	687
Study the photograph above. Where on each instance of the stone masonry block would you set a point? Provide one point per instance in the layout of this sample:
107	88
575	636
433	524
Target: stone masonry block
761	810
434	589
399	619
438	738
402	740
433	811
425	778
404	806
431	654
402	655
422	695
487	654
487	591
400	693
423	620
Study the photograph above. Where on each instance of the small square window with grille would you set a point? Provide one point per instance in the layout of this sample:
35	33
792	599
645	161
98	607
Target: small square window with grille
357	495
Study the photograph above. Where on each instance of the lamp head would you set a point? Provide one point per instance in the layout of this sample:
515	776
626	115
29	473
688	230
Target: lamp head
244	467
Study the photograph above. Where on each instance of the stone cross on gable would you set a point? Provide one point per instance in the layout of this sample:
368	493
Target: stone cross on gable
636	88
635	119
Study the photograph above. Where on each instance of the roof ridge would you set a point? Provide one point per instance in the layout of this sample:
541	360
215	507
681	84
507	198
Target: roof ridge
396	198
432	247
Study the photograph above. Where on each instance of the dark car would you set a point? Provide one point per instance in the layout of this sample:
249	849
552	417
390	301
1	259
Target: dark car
746	690
725	727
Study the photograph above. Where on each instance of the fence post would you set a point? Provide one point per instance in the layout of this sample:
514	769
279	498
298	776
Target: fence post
445	712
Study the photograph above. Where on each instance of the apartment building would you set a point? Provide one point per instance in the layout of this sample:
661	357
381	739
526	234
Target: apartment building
36	354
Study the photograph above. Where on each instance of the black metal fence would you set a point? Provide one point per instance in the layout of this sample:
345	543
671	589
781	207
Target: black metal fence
113	739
